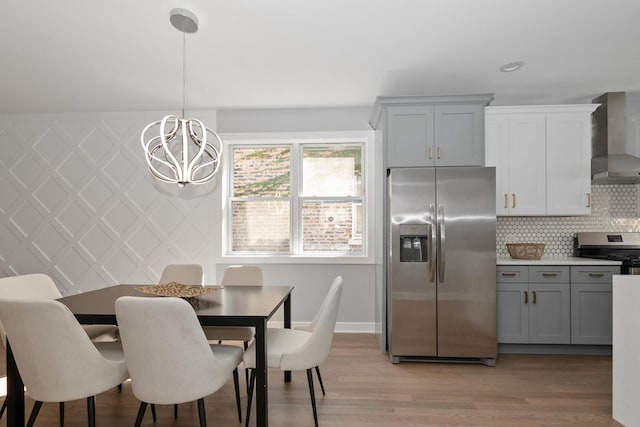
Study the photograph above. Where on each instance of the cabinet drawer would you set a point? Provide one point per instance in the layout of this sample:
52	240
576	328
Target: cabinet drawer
593	274
549	274
512	274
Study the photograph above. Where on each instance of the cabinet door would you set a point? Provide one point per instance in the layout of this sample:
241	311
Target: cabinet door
591	313
512	313
526	169
549	313
568	164
459	135
410	136
496	145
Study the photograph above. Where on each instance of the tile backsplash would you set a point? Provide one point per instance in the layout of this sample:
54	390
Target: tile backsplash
614	208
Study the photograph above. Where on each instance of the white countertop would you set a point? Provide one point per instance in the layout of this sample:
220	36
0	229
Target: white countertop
555	261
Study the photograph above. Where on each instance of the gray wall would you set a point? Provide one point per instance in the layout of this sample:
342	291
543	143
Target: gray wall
78	204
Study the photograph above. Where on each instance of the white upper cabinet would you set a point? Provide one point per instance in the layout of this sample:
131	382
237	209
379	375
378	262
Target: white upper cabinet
515	145
542	156
569	164
432	131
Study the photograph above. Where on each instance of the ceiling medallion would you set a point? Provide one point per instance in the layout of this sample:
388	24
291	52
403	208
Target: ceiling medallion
512	66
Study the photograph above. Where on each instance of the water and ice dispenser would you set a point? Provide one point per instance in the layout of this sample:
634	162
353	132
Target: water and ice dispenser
413	242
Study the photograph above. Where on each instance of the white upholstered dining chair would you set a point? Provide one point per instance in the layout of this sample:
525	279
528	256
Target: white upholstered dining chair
185	274
236	275
168	356
56	359
295	349
41	287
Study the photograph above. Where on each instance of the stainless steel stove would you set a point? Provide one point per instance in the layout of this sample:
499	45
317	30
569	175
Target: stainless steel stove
613	246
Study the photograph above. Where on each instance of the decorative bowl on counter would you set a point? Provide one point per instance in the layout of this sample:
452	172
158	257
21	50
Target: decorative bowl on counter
525	250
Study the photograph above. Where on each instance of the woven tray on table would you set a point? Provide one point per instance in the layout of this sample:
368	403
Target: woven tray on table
525	250
173	289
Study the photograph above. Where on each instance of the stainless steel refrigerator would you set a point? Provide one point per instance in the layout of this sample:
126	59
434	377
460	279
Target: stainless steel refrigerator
441	267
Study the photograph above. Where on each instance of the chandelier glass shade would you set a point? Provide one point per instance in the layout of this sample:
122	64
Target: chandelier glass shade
179	150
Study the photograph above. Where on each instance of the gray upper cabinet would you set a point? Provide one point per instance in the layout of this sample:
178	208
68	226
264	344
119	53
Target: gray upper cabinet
410	136
459	135
432	131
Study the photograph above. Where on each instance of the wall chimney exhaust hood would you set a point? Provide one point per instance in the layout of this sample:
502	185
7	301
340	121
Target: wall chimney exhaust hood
611	161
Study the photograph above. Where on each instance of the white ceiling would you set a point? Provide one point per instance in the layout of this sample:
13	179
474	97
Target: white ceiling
124	55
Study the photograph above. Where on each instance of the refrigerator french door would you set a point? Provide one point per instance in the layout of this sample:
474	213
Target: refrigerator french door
441	263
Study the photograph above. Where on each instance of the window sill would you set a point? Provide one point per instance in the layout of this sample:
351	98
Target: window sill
297	259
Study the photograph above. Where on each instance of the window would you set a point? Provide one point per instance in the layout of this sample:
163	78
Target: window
302	197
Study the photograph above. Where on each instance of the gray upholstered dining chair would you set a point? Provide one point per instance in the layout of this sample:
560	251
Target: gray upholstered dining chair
168	356
295	349
185	274
41	287
57	360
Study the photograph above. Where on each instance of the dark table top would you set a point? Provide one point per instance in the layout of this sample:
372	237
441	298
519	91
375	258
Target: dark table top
231	305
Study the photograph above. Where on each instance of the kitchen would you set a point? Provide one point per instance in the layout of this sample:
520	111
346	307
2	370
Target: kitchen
86	227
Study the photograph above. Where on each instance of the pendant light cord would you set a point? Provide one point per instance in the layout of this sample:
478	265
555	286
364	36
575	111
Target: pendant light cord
184	70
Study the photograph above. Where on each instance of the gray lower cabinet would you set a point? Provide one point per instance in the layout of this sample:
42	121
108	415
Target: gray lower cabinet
591	304
555	304
512	287
534	304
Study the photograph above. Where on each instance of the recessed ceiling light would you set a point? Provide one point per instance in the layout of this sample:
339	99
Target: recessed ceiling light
511	66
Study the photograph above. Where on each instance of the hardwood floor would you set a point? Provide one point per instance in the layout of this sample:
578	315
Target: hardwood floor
365	389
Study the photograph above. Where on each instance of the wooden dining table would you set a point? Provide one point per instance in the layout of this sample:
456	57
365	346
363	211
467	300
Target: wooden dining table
223	306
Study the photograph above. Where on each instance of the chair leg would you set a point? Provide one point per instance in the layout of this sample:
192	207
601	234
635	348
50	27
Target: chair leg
320	379
61	405
120	387
153	412
313	396
4	407
141	410
175	410
91	410
246	371
236	385
249	396
34	413
201	414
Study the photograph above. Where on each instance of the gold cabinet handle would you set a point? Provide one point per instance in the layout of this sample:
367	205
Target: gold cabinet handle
588	200
506	200
430	153
596	274
508	274
513	200
534	296
549	274
438	152
526	297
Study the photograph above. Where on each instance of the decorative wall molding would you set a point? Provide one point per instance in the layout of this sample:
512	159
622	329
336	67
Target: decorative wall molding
78	203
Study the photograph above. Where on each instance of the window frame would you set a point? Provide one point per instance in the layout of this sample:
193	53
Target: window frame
296	141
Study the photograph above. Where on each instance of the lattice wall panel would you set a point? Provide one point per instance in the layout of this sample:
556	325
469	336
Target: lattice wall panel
77	203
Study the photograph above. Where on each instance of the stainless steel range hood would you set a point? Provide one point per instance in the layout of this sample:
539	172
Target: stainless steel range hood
611	162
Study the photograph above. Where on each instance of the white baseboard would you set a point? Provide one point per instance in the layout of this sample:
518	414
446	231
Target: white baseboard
341	327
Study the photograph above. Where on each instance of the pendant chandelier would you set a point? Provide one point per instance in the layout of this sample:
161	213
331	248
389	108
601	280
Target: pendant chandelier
179	150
